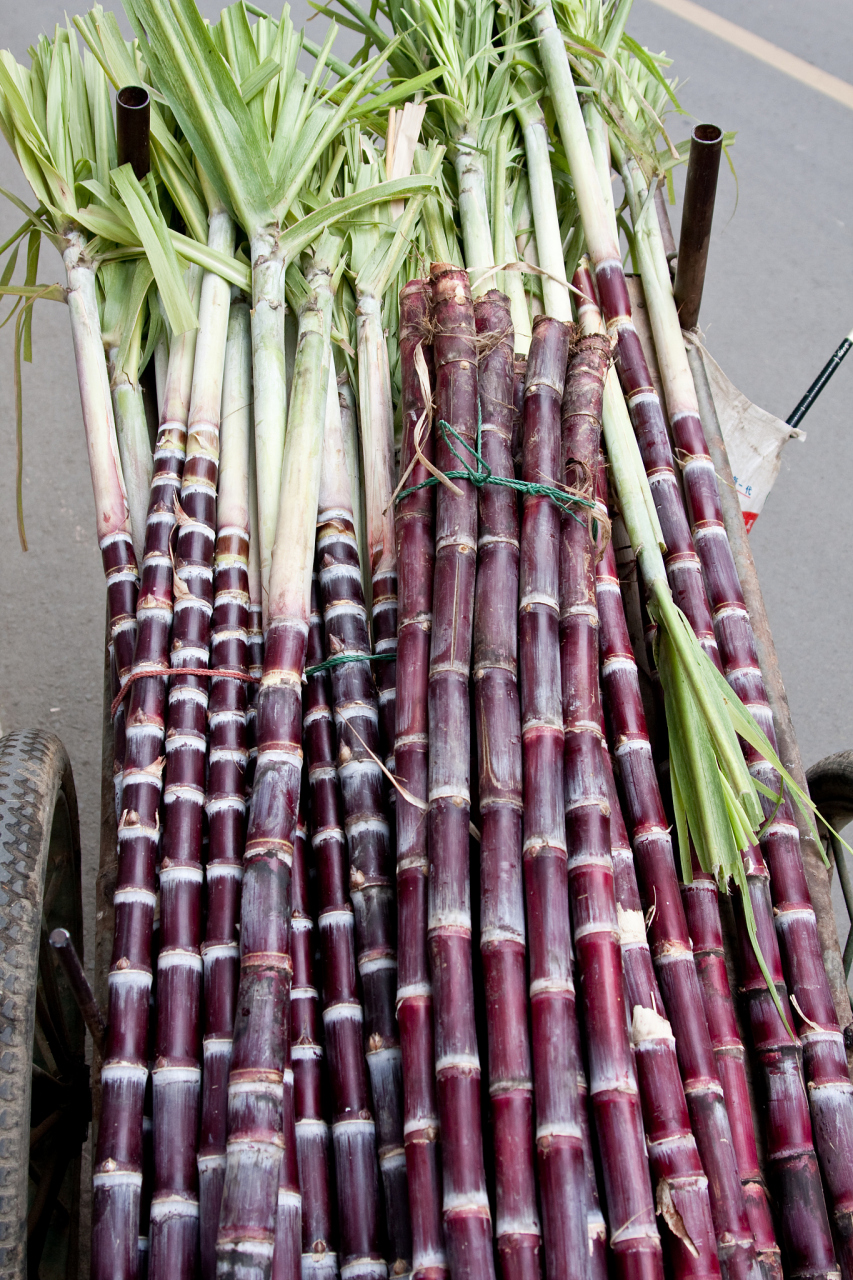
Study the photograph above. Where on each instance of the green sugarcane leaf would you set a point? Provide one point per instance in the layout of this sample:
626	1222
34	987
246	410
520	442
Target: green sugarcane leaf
185	196
696	665
234	270
155	329
206	101
133	301
33	252
154	237
643	56
299	236
258	79
692	752
681	828
104	223
11	263
746	727
402	92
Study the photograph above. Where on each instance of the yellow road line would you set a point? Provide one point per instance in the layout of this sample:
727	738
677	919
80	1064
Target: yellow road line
797	68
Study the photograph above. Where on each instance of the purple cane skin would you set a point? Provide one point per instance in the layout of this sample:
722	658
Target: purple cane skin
677	1171
118	1169
815	1020
353	1135
255	659
830	1092
682	563
794	1171
415	518
467	1219
613	1088
497	714
554	1036
256	1082
518	381
177	1071
312	1132
226	810
355	704
287	1258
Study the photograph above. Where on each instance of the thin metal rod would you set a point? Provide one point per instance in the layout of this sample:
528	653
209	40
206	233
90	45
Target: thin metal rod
60	940
133	128
820	381
700	192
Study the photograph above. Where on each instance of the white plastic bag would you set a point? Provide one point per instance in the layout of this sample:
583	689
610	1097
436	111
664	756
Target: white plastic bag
754	439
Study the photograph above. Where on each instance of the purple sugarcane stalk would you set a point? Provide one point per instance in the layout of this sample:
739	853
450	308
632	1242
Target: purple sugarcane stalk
118	1158
312	1132
805	1238
518	380
366	823
177	1070
613	1087
467	1219
682	564
262	1031
554	1037
830	1091
701	906
287	1243
225	805
255	628
735	1238
353	1133
681	1188
790	1157
679	1181
498	718
415	536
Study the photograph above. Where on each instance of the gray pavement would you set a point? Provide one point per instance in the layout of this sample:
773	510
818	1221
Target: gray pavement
778	299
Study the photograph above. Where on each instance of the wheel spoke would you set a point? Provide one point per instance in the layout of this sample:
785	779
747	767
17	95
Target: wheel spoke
41	1211
44	1025
46	1125
48	967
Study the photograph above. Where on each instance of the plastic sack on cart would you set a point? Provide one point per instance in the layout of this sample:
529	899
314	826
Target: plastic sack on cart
754	439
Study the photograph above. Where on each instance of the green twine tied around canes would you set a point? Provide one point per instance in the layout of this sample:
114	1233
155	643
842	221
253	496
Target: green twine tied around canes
348	657
484	475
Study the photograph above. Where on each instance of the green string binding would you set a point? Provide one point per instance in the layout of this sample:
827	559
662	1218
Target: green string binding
484	475
348	657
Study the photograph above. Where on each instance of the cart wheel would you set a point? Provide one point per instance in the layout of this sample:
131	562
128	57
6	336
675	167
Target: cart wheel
45	1103
831	788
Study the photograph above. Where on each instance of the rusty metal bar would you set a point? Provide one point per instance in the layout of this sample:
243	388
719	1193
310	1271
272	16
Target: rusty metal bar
133	128
60	940
697	214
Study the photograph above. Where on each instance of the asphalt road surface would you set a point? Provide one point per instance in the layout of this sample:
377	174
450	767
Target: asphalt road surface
778	299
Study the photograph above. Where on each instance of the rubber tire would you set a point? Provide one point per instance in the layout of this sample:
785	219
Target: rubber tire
831	788
35	773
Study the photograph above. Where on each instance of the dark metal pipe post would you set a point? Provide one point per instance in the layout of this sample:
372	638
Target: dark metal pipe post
60	940
700	191
133	128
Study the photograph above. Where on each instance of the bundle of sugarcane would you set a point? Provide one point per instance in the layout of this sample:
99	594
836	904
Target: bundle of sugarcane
379	609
